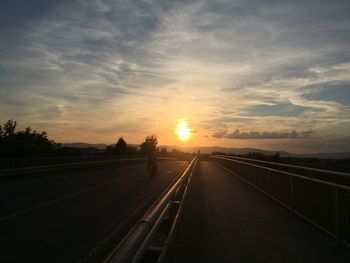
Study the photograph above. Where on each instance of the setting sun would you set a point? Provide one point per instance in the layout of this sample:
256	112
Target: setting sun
182	130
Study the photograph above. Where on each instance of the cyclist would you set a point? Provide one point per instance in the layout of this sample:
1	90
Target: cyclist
152	163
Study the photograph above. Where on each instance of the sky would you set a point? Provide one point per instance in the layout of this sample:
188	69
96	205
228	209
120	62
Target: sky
241	73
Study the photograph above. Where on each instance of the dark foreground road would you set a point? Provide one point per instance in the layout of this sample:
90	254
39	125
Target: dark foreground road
226	220
64	218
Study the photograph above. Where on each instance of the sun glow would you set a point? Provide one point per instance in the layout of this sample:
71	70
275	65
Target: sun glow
182	131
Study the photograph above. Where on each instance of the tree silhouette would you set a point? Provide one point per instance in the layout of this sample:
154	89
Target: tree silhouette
132	150
163	151
25	143
149	145
121	148
9	128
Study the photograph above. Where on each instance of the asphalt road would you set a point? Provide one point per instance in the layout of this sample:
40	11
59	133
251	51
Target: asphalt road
61	219
226	220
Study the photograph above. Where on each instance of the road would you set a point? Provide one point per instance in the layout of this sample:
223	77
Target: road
226	220
61	219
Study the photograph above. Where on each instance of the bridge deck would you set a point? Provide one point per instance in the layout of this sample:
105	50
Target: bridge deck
226	220
63	217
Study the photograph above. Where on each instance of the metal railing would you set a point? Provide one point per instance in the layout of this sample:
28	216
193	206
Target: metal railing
151	236
305	191
10	163
326	175
56	167
69	165
15	163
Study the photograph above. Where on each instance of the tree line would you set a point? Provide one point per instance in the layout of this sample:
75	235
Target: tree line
30	143
121	147
26	143
149	145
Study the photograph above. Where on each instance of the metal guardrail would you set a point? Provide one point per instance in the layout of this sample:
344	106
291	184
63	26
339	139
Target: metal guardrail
71	165
322	203
310	169
11	163
57	167
150	239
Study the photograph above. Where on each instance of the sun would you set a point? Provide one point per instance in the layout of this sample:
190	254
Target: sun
182	131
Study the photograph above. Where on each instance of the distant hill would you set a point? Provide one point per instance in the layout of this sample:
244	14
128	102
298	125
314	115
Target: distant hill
344	155
208	150
236	150
211	149
99	146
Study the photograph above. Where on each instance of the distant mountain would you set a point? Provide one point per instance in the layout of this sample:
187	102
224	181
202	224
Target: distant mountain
99	146
236	150
344	155
208	150
212	149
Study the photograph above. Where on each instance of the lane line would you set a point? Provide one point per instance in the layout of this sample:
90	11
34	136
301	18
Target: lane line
63	198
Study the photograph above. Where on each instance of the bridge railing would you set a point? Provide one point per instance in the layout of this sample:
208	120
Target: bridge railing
313	194
151	236
73	164
11	163
15	163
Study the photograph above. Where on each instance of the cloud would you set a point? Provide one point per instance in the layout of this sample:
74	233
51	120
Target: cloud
224	65
277	109
334	91
220	134
263	135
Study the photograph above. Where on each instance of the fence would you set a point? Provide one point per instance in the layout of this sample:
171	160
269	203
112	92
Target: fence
305	191
11	163
72	164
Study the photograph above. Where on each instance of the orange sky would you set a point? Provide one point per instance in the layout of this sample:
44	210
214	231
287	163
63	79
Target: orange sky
242	73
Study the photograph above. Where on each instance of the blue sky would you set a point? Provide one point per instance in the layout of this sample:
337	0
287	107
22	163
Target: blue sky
94	70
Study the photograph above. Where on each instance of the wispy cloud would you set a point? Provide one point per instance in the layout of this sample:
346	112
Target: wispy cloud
263	135
113	68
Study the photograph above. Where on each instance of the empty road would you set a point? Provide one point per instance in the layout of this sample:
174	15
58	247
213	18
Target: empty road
227	220
61	219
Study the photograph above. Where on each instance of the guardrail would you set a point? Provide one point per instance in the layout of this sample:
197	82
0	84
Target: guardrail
150	239
9	163
57	167
326	175
325	204
71	165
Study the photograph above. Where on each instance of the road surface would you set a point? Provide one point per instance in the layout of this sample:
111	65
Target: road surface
61	219
227	220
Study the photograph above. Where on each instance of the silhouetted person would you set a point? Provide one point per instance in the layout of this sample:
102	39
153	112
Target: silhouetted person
152	163
149	148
